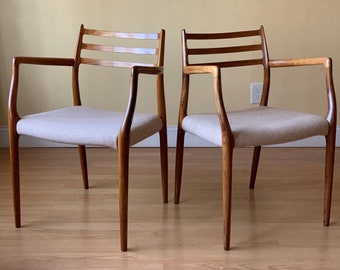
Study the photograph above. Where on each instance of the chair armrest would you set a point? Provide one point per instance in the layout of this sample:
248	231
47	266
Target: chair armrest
215	71
50	61
327	63
130	108
136	70
200	69
17	61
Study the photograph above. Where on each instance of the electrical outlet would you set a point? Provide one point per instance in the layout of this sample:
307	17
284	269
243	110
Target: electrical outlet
256	92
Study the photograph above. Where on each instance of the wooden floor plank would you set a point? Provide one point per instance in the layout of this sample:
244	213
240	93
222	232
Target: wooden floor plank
278	225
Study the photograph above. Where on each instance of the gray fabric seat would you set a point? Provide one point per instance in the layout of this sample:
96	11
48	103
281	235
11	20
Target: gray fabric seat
87	126
258	126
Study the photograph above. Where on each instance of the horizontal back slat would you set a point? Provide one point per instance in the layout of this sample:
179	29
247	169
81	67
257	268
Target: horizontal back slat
247	48
243	48
222	35
120	49
114	49
108	63
103	33
237	63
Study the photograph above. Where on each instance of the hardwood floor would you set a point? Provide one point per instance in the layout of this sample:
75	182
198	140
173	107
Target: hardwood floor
276	226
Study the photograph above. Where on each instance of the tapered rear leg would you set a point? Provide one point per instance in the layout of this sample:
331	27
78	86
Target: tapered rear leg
179	164
83	164
254	167
164	162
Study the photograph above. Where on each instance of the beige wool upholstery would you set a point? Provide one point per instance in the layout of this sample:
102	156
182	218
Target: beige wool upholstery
258	126
87	126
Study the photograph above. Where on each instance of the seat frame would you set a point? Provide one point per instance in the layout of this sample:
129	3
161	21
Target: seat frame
228	143
123	140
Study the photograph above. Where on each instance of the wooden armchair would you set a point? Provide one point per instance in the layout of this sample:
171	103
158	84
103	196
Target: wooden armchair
256	126
82	125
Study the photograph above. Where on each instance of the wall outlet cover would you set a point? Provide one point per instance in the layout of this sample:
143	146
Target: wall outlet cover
256	92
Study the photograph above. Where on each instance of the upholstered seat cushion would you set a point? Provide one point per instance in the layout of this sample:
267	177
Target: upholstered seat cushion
86	126
258	126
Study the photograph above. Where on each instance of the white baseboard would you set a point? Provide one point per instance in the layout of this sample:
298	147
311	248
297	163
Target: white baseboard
190	141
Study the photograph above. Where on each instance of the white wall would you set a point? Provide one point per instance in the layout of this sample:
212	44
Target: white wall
294	28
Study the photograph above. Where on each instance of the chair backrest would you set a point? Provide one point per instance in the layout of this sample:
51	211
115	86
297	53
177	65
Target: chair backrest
96	41
117	50
225	50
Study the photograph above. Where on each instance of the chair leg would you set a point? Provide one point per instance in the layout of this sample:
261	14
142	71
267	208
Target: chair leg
254	166
164	162
14	159
329	169
179	164
227	192
123	160
83	164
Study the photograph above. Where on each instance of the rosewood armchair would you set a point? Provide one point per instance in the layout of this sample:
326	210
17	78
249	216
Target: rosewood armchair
255	126
82	125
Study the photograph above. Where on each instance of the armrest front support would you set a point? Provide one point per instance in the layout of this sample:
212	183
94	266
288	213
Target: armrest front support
327	63
215	71
130	109
17	61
